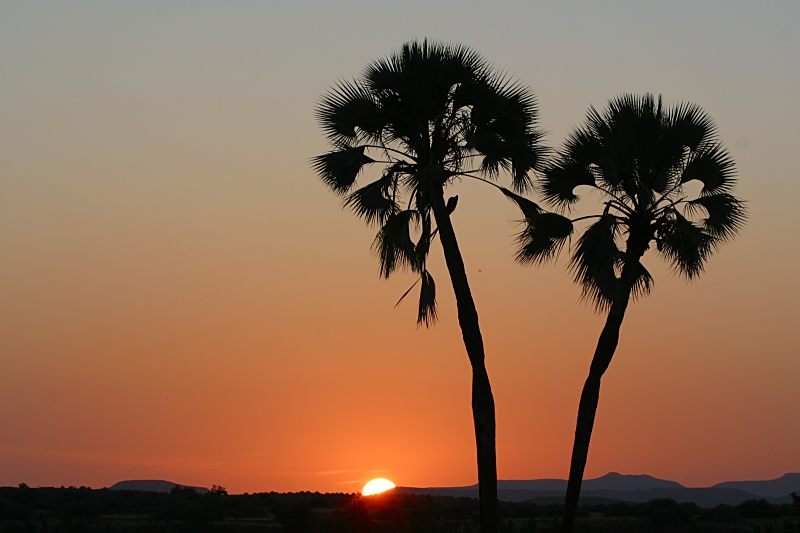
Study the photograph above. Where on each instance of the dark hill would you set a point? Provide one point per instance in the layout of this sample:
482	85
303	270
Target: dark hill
152	485
519	489
616	481
629	488
770	488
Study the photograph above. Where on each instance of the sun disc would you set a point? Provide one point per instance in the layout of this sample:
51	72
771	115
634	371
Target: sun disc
376	486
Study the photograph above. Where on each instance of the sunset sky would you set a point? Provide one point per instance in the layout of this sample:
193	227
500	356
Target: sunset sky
181	298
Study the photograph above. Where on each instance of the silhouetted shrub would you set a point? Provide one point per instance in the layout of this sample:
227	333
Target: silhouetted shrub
294	516
669	513
757	509
218	490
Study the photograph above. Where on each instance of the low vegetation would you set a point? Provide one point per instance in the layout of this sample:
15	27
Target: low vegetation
87	510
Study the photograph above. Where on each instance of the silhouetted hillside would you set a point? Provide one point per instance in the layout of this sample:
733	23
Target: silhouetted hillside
617	481
153	485
770	488
629	488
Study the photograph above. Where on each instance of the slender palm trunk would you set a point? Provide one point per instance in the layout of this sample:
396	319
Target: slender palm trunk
482	399
636	246
587	408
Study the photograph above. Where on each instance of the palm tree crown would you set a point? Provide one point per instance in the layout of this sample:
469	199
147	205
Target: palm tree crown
426	115
640	157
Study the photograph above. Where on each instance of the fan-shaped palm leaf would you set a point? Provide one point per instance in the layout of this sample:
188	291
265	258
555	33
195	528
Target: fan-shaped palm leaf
393	242
685	244
712	166
375	202
594	259
348	110
560	181
427	299
339	168
726	214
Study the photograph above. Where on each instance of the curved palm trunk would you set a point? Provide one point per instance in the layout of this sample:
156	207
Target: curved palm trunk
587	408
482	399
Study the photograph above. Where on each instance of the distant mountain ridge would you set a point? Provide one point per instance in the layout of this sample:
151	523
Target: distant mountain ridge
631	488
771	488
152	485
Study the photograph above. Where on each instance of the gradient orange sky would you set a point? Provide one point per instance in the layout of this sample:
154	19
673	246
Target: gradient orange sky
181	298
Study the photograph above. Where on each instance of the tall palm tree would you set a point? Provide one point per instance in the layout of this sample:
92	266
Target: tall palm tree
428	115
641	158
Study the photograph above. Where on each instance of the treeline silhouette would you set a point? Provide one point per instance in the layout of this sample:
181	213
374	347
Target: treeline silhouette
94	510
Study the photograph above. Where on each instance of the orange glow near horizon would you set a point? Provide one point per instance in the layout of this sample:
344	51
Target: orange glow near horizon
377	486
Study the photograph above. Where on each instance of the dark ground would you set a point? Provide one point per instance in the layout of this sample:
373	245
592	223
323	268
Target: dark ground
86	510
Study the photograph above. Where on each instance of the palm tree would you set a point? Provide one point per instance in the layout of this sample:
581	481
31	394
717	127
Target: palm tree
427	116
641	158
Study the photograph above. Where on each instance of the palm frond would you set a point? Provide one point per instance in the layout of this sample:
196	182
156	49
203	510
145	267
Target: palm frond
685	244
393	243
397	79
691	126
407	292
511	106
713	166
529	208
593	260
528	155
491	145
726	214
544	234
505	116
543	238
606	143
585	146
560	180
374	202
641	281
339	168
348	108
426	313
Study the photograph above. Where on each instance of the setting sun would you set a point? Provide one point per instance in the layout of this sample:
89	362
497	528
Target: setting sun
377	486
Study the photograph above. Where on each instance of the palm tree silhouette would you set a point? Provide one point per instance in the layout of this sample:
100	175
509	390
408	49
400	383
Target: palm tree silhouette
641	158
428	115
